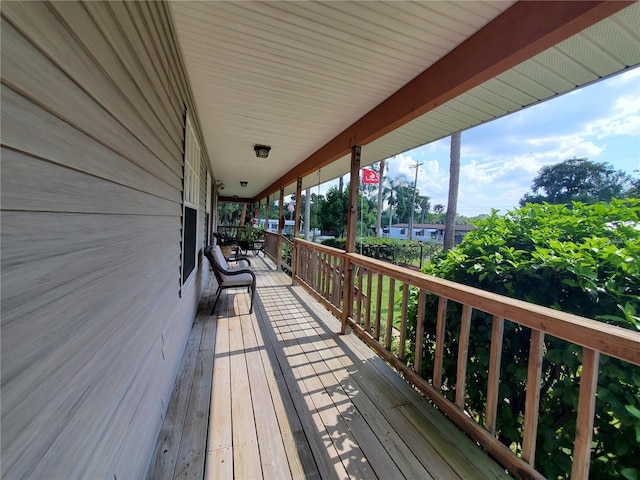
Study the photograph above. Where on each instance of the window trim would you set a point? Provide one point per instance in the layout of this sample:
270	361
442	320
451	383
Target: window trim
190	197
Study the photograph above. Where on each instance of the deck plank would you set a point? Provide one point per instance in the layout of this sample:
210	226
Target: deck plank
288	397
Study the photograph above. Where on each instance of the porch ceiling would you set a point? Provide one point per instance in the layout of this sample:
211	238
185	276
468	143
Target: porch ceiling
296	75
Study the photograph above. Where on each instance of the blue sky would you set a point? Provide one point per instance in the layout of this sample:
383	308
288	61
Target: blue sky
499	159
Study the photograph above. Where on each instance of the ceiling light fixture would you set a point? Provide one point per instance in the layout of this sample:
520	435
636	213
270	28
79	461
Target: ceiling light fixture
262	151
243	184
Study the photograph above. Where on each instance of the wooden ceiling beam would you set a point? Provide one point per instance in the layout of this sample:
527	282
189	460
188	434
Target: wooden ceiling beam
519	33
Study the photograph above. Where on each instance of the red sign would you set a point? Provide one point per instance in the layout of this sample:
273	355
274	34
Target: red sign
370	177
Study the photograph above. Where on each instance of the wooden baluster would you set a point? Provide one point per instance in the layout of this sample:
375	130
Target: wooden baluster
422	298
495	357
532	402
358	318
440	333
403	321
387	338
376	330
463	350
586	412
367	320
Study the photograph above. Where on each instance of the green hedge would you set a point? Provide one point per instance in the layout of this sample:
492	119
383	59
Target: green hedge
583	259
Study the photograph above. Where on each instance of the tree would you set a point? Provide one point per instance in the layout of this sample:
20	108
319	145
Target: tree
577	179
438	209
452	202
634	189
332	212
422	201
389	194
404	200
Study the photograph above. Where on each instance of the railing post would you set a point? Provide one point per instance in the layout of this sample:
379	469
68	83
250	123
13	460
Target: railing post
493	382
347	293
463	351
296	231
439	353
586	412
422	298
280	227
532	402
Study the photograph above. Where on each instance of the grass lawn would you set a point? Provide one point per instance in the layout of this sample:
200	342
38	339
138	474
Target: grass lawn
397	301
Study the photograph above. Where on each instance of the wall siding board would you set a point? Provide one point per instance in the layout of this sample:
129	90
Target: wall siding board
25	233
79	109
94	319
51	37
25	127
90	38
131	62
152	65
156	19
37	185
140	10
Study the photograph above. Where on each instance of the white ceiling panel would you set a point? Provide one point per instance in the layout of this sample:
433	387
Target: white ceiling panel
294	75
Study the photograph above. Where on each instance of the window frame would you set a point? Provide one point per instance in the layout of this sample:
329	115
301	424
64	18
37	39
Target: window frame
190	200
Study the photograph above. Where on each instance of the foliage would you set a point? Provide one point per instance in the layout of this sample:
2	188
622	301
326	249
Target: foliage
332	212
634	188
229	213
583	259
391	249
577	179
253	233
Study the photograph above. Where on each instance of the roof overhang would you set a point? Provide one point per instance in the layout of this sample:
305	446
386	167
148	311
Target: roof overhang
312	79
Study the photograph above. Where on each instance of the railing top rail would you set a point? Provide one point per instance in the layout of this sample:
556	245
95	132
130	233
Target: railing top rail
323	248
611	340
287	241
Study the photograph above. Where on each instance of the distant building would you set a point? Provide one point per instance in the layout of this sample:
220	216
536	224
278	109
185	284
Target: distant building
289	225
426	232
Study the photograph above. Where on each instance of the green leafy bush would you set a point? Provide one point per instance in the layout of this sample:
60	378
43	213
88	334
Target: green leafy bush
583	259
392	249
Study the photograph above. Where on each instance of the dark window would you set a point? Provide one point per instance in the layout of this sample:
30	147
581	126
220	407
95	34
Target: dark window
189	250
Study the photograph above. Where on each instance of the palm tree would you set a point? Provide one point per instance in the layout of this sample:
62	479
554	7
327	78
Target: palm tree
390	195
452	202
379	212
423	202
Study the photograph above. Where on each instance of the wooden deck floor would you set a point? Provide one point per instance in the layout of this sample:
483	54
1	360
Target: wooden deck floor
278	394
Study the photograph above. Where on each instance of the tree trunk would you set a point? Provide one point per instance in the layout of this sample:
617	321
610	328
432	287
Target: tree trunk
307	213
454	180
379	213
341	185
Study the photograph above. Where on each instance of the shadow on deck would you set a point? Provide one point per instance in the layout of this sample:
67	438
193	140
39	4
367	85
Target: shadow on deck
279	394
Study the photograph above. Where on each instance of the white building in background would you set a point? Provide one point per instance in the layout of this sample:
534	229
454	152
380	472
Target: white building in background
426	232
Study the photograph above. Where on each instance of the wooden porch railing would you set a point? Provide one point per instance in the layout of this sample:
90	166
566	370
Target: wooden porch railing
277	247
322	271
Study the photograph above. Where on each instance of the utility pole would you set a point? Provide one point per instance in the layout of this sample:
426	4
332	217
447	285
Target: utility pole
413	200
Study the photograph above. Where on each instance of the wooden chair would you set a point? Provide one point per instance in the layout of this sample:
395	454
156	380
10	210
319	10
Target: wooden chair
229	277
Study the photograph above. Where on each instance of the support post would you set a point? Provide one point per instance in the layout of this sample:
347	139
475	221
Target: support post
352	223
280	228
296	230
266	213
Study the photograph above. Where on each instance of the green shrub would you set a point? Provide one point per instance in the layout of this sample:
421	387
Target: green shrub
582	259
392	249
